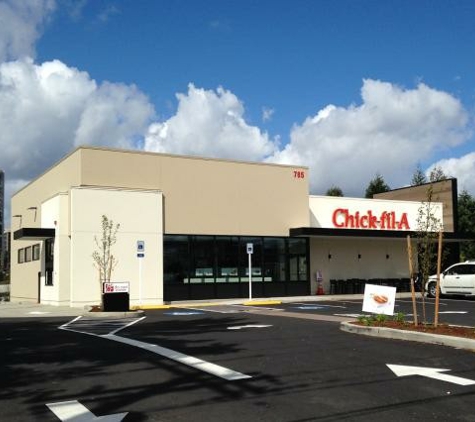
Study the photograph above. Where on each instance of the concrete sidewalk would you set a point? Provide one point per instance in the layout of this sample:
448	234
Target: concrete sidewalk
32	310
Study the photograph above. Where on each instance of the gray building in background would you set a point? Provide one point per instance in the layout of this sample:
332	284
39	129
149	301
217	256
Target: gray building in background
2	213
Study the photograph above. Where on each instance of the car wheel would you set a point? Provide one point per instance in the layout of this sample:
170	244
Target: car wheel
432	289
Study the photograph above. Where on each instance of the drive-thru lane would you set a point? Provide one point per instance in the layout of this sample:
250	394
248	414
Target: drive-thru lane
458	311
302	370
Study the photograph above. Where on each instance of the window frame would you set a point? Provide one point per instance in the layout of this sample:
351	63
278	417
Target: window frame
21	256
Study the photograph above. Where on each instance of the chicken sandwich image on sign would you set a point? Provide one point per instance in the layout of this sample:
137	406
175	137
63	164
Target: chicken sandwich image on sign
379	299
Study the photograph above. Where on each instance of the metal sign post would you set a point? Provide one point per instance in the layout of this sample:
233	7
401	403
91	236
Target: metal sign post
250	250
140	255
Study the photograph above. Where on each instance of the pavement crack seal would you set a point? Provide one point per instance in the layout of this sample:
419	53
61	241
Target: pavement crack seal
199	364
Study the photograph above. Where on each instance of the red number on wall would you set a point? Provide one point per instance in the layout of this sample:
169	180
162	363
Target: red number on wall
299	174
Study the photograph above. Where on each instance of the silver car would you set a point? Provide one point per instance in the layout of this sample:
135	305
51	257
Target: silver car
458	279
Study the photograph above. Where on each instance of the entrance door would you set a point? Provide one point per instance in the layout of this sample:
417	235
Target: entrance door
49	258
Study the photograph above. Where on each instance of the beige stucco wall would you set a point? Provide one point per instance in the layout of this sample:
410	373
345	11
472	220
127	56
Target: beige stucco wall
345	264
139	214
24	277
24	285
55	215
200	196
207	196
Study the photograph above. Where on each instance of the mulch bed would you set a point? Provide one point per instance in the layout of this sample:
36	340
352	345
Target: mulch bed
441	329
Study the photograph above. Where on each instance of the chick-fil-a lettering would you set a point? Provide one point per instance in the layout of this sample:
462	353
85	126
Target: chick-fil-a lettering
387	220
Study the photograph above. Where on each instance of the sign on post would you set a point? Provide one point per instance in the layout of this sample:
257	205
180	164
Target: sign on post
140	255
140	249
115	287
250	251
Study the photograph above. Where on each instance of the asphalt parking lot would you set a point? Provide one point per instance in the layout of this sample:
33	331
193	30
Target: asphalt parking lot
173	365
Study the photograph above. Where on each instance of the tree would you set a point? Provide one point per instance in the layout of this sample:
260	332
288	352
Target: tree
437	174
418	178
377	185
466	223
334	191
427	233
104	261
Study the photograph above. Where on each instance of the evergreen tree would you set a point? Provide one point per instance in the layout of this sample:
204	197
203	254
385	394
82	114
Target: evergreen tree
418	178
334	191
466	223
377	185
437	174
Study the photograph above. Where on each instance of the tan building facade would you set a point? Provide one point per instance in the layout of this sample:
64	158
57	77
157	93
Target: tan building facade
203	205
186	224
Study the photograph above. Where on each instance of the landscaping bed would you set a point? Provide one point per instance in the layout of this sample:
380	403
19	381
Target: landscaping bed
398	323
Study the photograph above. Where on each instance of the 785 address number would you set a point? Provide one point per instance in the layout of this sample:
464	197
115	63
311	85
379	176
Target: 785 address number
299	174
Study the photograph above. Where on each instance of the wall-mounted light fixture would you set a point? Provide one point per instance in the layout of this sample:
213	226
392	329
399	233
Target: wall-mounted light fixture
387	256
329	256
18	216
359	256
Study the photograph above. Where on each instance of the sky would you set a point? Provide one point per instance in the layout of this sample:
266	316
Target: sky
348	88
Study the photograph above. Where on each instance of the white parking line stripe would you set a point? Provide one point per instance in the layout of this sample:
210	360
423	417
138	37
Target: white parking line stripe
70	322
247	307
210	368
210	310
317	304
127	325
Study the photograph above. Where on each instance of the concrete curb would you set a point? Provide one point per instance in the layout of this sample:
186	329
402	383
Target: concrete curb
391	333
262	302
127	314
206	304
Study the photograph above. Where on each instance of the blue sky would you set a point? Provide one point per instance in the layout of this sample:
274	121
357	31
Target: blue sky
349	88
292	56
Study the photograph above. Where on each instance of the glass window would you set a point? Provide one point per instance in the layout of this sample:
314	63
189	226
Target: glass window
175	259
274	259
297	246
224	259
463	269
294	268
28	254
49	253
21	256
203	259
227	253
36	252
298	269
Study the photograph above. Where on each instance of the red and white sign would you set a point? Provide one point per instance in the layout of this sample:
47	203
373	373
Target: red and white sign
387	220
367	214
120	287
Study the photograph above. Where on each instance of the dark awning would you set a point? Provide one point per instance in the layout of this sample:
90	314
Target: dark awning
33	233
369	234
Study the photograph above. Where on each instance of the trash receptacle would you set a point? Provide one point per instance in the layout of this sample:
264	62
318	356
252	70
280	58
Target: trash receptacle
115	297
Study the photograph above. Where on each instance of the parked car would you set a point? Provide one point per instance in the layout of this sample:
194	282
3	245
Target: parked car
458	279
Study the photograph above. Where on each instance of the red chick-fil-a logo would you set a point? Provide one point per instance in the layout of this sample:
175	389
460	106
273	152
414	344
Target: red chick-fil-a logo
387	220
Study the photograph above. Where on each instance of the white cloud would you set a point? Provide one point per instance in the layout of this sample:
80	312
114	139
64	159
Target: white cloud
267	114
389	133
21	23
211	124
11	186
462	168
47	110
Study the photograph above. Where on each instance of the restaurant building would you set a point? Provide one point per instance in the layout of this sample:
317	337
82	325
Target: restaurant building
186	224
